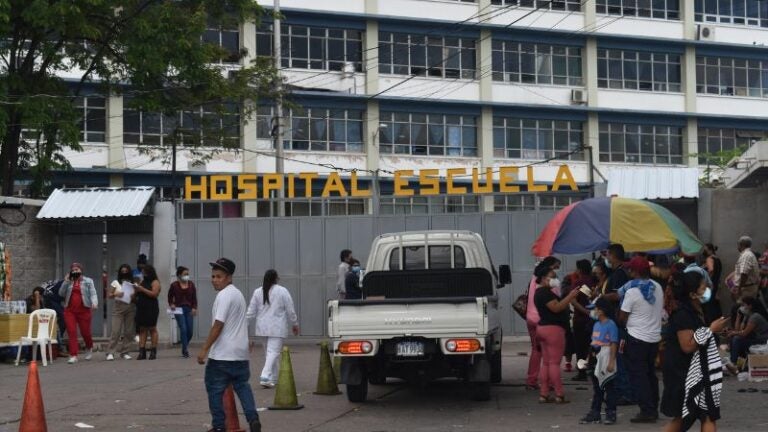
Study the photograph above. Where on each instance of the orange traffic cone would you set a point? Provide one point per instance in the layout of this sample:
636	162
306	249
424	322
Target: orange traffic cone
231	421
33	412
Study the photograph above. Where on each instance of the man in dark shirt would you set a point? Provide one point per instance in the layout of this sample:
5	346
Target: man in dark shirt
619	275
618	278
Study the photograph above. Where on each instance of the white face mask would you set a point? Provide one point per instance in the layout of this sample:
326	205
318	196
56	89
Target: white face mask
554	283
185	278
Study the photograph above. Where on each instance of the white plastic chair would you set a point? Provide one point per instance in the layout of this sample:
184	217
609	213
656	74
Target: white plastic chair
46	320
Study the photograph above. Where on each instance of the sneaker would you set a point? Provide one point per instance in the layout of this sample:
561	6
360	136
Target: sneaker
88	354
610	418
126	356
255	426
590	418
72	360
643	418
110	357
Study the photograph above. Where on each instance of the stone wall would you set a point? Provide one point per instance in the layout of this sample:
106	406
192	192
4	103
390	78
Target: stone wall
32	246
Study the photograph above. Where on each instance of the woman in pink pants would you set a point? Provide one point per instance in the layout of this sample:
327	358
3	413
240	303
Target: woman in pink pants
550	333
532	321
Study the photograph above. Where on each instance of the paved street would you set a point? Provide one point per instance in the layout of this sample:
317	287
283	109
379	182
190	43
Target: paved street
168	395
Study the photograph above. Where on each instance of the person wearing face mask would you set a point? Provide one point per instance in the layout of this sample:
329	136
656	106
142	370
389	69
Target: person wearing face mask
123	314
550	332
604	350
352	282
532	322
751	330
692	370
183	295
147	310
641	304
80	298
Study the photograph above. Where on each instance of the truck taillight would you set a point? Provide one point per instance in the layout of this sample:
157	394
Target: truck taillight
355	347
462	345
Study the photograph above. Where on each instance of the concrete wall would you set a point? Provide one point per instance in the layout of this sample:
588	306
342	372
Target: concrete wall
32	246
727	214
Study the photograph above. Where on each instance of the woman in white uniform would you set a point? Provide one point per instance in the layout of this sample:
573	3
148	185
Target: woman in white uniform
272	308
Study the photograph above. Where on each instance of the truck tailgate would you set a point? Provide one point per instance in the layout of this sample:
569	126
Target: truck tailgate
408	317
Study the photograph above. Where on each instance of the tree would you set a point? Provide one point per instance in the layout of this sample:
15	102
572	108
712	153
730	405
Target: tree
150	50
715	164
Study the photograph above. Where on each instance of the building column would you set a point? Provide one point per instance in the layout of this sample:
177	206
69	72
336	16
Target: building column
691	135
248	122
115	150
589	9
589	72
485	125
371	63
688	19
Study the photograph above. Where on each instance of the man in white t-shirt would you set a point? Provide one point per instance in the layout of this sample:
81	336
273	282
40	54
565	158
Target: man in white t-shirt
341	273
227	349
642	301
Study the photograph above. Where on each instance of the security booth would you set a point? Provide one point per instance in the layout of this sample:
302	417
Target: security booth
244	218
101	228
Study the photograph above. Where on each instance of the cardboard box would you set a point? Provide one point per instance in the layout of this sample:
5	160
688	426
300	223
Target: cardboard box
13	327
758	367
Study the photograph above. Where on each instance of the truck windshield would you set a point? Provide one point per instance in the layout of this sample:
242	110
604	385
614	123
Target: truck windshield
439	258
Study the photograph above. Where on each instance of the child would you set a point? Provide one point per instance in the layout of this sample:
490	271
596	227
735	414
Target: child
605	344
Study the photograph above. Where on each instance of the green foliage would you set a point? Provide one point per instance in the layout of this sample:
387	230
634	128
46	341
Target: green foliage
715	164
150	50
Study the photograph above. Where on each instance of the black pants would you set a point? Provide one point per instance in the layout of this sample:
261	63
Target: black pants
641	358
606	394
582	338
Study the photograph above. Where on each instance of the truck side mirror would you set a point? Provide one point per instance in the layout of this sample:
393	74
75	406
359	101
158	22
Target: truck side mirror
505	275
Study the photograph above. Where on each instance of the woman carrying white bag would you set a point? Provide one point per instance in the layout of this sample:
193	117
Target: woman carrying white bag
272	308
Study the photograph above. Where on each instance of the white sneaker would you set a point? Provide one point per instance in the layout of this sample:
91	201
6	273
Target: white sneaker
110	357
72	360
136	339
88	354
126	357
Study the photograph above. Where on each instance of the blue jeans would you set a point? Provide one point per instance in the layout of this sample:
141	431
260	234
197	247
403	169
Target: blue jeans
186	327
219	375
740	346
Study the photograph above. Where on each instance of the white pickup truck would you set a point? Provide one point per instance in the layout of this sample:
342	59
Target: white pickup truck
429	310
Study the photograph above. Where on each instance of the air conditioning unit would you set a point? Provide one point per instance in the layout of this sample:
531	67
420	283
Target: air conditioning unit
705	33
578	96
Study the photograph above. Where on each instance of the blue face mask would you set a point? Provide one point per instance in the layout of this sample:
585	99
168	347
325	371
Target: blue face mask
706	297
355	269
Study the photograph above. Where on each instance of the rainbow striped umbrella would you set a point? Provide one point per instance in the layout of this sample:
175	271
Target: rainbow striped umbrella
593	224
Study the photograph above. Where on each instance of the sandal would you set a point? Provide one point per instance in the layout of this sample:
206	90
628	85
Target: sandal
560	400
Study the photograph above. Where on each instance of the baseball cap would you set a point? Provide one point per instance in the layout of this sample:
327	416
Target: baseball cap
638	264
224	264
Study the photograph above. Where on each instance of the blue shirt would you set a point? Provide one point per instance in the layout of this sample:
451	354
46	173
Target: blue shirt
605	333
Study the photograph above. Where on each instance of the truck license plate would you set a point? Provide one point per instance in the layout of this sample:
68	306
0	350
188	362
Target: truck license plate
410	349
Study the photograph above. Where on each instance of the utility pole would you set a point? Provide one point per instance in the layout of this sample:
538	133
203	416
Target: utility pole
277	129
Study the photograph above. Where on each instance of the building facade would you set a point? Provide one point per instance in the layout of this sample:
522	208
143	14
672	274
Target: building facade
378	86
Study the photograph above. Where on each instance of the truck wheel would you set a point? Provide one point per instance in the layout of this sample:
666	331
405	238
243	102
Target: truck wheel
496	367
358	392
481	391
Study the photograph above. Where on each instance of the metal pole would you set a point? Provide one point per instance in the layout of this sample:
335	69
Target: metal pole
278	127
173	170
591	173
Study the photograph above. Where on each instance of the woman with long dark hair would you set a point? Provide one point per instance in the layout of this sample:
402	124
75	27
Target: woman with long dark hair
272	308
692	370
183	295
147	310
123	314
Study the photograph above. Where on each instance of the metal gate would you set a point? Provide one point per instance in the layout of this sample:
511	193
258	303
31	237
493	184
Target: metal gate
305	253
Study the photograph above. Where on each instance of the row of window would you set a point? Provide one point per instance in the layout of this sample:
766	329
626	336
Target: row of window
638	70
517	138
536	63
320	48
427	134
315	129
730	76
621	142
388	205
205	125
422	55
739	12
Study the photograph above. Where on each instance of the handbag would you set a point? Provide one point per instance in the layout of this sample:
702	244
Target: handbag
521	305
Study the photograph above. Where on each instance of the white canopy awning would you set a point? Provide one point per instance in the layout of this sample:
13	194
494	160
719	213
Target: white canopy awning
96	203
654	182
